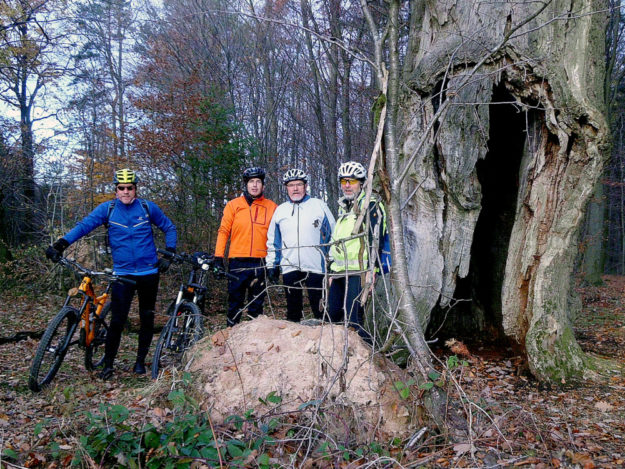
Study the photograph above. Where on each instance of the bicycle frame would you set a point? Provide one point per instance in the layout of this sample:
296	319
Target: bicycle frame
89	300
193	286
89	316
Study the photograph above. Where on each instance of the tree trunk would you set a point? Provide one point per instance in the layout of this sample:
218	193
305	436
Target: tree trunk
532	110
593	260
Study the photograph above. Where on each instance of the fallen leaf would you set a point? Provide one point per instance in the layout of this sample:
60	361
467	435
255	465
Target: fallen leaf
603	406
458	347
34	460
462	448
295	334
159	412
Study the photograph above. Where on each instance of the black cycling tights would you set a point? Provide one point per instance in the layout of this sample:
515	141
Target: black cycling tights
122	294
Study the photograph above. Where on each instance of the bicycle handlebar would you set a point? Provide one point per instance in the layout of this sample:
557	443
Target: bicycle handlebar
202	261
82	270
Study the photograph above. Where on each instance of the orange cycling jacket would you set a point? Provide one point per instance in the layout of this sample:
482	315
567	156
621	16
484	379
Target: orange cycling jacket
246	226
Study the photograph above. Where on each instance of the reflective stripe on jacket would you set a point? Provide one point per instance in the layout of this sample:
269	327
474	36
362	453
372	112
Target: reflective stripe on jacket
295	233
246	226
130	234
353	254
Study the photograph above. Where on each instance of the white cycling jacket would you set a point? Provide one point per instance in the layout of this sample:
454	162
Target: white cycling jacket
295	234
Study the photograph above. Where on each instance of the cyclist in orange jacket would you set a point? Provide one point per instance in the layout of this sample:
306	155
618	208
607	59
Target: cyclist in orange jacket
245	223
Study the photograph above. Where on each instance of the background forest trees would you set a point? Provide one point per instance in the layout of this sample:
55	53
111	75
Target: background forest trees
191	93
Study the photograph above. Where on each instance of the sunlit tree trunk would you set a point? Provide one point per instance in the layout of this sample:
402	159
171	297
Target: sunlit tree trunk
546	78
500	133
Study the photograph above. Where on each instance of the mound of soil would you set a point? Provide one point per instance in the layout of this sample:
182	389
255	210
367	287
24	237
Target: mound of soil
304	367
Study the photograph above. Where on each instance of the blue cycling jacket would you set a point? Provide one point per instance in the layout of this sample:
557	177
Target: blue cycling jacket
130	234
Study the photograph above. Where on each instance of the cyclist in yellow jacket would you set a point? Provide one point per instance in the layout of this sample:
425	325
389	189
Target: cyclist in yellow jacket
353	256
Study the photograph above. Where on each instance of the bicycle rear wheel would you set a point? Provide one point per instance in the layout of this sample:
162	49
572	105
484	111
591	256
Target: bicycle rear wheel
94	353
52	348
178	335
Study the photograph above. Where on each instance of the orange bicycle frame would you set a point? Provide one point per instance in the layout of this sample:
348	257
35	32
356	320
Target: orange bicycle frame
90	299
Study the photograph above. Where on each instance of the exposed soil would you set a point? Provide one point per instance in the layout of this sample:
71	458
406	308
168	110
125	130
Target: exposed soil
518	421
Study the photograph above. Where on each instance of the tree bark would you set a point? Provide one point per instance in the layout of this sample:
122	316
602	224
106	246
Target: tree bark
547	65
593	260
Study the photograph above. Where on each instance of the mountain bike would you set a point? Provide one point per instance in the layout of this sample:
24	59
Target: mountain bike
82	310
185	325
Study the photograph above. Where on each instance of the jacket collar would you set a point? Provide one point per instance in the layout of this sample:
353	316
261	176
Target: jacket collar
249	199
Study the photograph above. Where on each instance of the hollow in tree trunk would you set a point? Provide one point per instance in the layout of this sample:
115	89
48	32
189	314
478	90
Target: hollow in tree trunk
494	195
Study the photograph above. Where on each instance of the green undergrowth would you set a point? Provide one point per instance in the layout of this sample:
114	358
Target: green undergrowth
177	433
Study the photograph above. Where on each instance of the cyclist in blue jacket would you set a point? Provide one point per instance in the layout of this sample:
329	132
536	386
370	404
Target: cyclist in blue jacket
129	221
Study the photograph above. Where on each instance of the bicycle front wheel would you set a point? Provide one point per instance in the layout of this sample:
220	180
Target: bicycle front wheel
178	335
52	348
94	353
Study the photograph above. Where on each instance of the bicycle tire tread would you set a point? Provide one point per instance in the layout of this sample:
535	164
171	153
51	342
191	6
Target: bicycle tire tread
34	383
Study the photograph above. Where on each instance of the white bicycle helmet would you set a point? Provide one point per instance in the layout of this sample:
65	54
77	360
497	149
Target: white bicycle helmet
353	170
294	175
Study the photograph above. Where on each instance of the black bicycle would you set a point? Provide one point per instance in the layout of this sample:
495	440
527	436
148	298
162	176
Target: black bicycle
185	325
83	309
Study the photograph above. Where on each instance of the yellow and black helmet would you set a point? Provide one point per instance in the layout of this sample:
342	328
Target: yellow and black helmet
125	176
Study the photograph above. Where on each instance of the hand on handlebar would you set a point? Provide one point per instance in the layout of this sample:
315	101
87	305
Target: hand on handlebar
55	252
218	265
164	262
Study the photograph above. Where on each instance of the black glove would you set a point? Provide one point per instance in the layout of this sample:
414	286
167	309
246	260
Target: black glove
218	265
163	265
55	252
273	274
164	262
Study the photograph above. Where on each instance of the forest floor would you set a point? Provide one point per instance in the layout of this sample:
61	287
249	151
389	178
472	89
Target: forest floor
579	424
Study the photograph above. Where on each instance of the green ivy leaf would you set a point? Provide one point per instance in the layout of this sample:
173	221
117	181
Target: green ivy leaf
263	460
234	450
314	402
152	439
9	453
176	397
273	398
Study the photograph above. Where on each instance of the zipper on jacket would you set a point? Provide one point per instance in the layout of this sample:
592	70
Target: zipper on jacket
252	228
299	257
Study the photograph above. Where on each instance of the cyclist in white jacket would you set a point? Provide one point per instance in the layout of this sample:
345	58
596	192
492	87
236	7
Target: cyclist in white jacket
297	230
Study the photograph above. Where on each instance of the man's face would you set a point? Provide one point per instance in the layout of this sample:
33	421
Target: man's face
255	187
126	193
351	188
296	190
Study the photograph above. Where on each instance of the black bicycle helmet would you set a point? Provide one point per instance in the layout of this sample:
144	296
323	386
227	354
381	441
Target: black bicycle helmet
254	172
